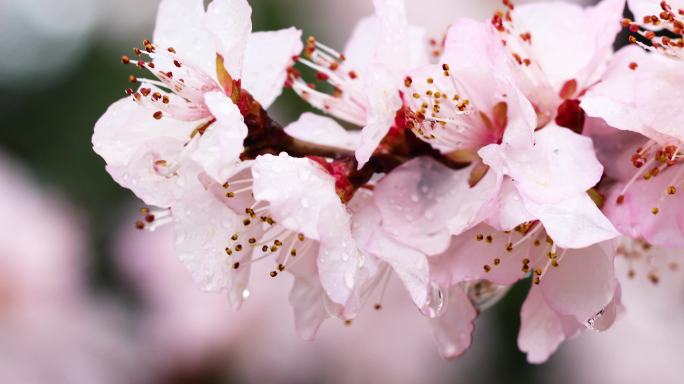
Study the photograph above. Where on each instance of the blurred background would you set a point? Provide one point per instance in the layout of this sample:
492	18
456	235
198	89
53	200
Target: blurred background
84	298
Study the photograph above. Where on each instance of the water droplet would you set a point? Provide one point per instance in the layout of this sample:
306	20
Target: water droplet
429	215
484	294
594	320
349	280
436	302
415	198
603	319
245	294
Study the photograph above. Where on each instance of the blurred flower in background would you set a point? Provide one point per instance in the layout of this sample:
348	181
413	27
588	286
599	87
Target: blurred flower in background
51	327
191	334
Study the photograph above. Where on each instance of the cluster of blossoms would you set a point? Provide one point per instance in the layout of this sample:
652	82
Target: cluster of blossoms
518	148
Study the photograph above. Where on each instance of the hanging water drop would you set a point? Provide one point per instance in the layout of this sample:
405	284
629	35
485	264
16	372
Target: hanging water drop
436	301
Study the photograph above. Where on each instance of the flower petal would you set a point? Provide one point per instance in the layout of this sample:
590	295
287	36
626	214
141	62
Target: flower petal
267	57
423	203
561	164
219	148
617	100
453	330
569	41
202	225
126	126
180	25
307	296
574	222
230	24
322	130
542	329
296	189
382	90
584	282
410	265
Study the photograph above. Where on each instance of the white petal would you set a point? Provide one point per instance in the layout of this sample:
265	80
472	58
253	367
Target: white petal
267	58
219	148
322	130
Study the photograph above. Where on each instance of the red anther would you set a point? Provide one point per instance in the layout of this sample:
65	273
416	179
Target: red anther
177	63
149	218
295	58
634	28
132	79
633	66
145	91
571	115
620	199
125	59
158	115
352	75
322	76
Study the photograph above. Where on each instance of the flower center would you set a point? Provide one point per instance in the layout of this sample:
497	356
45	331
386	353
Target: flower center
178	86
259	236
440	113
542	255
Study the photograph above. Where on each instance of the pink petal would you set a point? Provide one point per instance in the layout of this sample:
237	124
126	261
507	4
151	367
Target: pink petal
542	329
322	130
569	42
423	203
618	97
584	282
561	164
307	297
339	258
453	330
296	189
203	223
229	22
267	57
509	210
635	218
180	25
382	90
126	126
219	148
149	180
574	222
410	265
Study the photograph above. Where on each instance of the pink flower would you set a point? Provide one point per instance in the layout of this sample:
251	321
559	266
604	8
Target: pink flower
572	288
644	204
187	114
559	49
534	168
277	207
367	77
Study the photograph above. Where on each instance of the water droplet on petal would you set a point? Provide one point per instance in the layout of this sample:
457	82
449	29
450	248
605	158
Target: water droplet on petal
436	302
603	319
415	198
349	280
245	294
